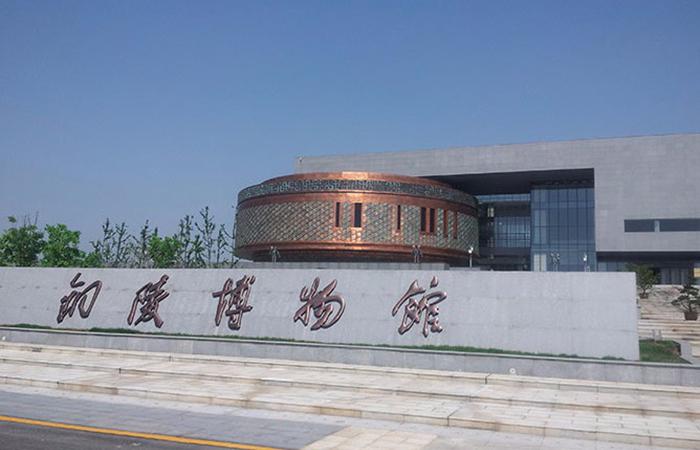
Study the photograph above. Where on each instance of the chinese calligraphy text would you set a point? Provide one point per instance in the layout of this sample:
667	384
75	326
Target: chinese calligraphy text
149	297
78	298
321	303
234	301
414	309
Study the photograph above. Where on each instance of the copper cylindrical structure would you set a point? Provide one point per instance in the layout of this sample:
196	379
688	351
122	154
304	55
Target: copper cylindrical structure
355	216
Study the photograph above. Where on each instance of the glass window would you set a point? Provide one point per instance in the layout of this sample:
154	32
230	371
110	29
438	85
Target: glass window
554	235
679	224
562	226
573	234
337	214
357	217
551	196
454	225
562	217
553	215
581	197
444	223
638	226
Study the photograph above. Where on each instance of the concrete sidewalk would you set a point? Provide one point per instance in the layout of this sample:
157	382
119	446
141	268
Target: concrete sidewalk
233	424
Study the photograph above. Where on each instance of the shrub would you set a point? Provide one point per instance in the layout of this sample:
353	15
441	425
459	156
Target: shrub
646	278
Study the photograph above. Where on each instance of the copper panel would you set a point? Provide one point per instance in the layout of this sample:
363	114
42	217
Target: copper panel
360	197
360	176
339	251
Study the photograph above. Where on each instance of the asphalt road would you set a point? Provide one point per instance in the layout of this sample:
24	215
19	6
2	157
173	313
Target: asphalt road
194	422
15	436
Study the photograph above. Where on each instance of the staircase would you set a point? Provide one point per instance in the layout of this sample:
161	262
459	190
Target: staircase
619	412
660	318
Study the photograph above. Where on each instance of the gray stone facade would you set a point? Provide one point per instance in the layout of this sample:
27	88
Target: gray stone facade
647	177
584	314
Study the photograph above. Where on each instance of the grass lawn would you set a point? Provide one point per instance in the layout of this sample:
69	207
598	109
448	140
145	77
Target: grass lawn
649	350
660	351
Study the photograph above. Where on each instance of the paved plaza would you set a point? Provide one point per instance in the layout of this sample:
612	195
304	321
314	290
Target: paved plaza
285	404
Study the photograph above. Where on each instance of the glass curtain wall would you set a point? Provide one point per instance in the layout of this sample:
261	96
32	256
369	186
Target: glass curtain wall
563	237
512	232
504	231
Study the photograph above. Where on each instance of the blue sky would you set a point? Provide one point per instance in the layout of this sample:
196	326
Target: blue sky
140	110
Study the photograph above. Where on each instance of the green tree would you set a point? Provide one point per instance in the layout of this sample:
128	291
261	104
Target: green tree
61	249
21	246
113	249
222	246
197	257
184	237
140	256
164	251
232	240
93	259
688	299
206	230
646	278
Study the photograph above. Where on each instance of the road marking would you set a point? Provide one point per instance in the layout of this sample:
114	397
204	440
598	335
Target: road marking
134	434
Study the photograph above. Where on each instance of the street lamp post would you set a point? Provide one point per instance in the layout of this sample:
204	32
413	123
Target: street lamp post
417	254
470	250
274	254
555	260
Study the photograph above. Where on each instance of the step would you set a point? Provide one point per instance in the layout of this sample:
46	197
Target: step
599	425
527	394
496	402
111	359
695	348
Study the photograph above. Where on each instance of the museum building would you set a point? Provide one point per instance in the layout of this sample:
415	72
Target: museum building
356	216
595	204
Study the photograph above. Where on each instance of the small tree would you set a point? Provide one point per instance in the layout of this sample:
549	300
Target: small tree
101	254
206	230
197	257
140	256
232	239
121	246
646	278
21	246
61	249
222	245
163	251
688	300
113	249
184	237
92	259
